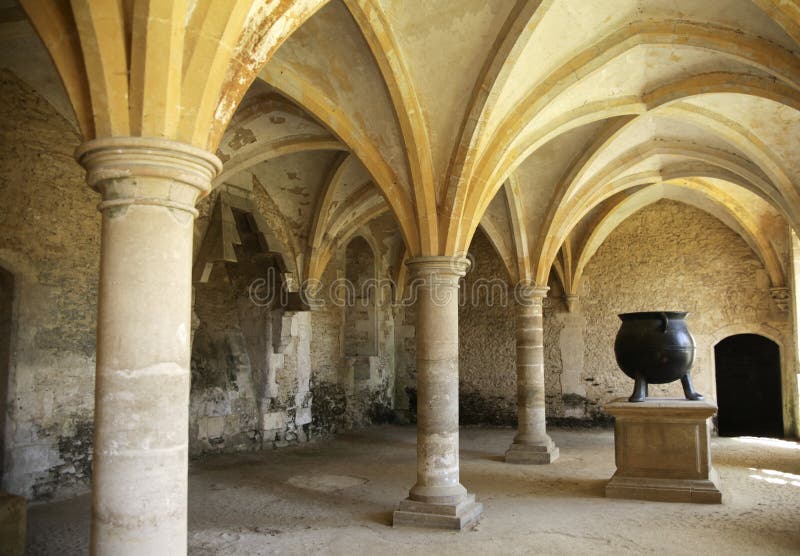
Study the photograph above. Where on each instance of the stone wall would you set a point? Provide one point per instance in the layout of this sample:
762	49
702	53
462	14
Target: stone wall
251	370
265	377
354	373
49	240
487	347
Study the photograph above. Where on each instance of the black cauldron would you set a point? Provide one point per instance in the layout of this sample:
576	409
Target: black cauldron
655	348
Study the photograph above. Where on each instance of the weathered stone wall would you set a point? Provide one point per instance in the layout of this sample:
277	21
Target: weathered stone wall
405	341
487	347
354	374
359	316
266	377
49	240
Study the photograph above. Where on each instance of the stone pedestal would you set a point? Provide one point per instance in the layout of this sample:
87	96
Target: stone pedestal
663	451
437	499
532	444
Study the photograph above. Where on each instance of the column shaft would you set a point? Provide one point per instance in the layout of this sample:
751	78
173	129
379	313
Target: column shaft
437	389
142	384
437	499
532	443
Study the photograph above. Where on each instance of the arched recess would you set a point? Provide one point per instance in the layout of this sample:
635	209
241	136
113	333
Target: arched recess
789	392
748	386
357	211
7	289
360	337
700	195
694	167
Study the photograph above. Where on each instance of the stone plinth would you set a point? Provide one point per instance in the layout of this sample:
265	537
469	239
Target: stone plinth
663	451
438	516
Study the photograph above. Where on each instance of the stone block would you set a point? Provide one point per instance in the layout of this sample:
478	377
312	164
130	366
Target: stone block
361	369
12	524
303	416
216	426
275	420
663	451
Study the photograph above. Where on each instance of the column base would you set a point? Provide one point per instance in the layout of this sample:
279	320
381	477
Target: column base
532	454
462	515
666	490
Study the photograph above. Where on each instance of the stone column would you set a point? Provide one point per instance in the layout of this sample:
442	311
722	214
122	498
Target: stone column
532	443
149	188
437	499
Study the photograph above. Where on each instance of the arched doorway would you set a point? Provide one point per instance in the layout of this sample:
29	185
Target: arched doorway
748	372
6	307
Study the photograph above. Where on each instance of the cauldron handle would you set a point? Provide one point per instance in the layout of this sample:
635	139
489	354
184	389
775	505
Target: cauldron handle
666	322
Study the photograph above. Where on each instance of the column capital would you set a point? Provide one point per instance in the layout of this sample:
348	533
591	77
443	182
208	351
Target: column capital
438	266
530	295
782	297
573	302
147	171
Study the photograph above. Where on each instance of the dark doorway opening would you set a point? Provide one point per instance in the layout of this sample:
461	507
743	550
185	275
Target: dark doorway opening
748	369
6	308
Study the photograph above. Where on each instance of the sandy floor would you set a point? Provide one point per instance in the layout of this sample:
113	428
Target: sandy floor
336	497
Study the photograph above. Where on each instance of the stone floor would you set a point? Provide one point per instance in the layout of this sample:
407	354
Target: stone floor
336	497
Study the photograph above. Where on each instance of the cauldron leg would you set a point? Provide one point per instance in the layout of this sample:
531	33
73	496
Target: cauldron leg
639	389
688	389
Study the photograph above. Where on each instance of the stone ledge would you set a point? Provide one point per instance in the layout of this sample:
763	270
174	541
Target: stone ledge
674	408
411	513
